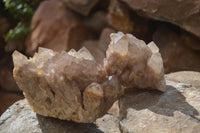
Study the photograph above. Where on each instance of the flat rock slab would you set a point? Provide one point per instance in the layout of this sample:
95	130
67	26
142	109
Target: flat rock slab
174	111
19	118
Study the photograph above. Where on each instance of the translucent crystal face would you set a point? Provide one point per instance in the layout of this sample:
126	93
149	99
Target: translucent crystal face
83	53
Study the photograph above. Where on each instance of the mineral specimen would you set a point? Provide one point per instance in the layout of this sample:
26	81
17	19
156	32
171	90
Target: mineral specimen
138	65
68	86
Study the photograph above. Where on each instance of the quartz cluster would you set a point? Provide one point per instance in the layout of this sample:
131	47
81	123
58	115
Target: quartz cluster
138	65
68	86
74	86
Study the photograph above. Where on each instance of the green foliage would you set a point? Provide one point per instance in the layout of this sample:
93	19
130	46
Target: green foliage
20	31
22	11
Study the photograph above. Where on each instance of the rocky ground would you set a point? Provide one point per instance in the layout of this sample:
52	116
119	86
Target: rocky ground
65	24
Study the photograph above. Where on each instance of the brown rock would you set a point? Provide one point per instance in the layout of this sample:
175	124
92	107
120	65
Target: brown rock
19	118
134	62
55	27
69	86
97	21
7	81
98	47
176	110
184	13
7	99
175	53
4	27
13	45
119	18
81	6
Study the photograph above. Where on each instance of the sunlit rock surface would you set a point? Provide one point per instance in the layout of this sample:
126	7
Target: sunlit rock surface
138	65
69	86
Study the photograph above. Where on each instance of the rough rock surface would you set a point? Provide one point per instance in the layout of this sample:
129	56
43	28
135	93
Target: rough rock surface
81	6
175	51
19	118
184	13
176	110
63	31
69	86
138	65
119	17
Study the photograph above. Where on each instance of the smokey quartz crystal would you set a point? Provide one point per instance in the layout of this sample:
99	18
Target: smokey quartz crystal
67	85
136	64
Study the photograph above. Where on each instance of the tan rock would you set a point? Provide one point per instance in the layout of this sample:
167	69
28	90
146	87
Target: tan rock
176	110
55	27
184	13
176	54
136	64
119	18
68	86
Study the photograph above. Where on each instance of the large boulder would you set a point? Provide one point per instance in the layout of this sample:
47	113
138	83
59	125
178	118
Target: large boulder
176	54
19	118
56	27
184	13
176	110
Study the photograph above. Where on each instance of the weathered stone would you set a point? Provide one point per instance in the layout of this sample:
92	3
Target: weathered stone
7	81
176	110
119	18
19	118
184	13
138	65
55	27
7	99
81	6
176	54
97	21
69	86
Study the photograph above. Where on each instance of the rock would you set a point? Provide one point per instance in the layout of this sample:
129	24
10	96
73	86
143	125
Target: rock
81	6
134	62
55	27
4	27
184	13
13	45
108	124
98	47
68	86
119	18
7	81
97	21
176	54
19	118
176	110
7	99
